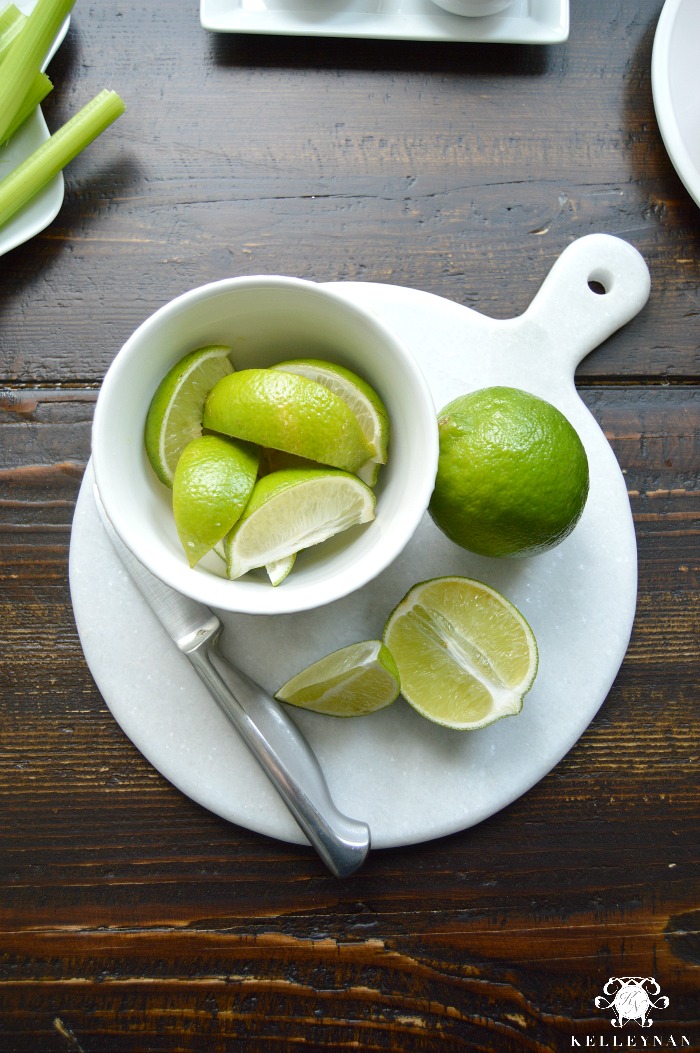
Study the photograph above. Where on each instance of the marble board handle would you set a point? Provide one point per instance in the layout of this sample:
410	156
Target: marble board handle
598	284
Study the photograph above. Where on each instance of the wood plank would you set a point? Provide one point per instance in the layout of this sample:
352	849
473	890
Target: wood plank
398	163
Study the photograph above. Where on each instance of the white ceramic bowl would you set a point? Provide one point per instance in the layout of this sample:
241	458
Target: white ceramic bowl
264	319
474	8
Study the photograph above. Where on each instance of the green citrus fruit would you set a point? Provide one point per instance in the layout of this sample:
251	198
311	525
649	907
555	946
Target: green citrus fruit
465	654
352	682
512	475
278	570
213	481
362	399
293	509
175	414
288	412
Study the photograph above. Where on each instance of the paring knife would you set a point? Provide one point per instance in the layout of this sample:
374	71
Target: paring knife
271	736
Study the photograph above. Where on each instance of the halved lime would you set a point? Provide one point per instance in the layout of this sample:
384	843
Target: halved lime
290	413
175	414
351	682
362	399
293	509
465	654
213	480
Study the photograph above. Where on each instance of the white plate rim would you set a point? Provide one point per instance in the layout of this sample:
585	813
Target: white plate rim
406	20
663	99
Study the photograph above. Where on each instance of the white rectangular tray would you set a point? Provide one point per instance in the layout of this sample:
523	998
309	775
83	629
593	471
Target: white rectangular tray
524	22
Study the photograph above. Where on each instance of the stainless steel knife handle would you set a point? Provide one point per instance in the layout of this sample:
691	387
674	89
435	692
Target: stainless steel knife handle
283	753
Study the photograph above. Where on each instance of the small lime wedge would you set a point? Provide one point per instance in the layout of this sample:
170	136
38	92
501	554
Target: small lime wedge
175	414
278	570
352	682
213	480
361	398
293	509
290	413
465	654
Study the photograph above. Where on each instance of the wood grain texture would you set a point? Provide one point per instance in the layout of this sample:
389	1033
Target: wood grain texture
133	921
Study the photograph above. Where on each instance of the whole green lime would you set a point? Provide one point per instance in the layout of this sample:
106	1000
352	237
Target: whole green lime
512	475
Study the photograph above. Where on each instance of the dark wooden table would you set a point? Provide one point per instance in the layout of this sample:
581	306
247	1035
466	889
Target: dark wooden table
130	918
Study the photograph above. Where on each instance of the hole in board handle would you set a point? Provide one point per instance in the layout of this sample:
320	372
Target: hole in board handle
600	282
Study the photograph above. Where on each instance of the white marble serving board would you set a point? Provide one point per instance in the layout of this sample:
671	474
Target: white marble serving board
409	779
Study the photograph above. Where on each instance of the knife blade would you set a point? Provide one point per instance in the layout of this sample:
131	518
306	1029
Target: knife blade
269	733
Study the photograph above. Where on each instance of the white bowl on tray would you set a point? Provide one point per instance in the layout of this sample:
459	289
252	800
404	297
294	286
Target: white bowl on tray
474	8
264	319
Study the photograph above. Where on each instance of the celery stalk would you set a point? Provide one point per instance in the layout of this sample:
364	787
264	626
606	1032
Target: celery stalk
11	21
40	88
26	55
39	168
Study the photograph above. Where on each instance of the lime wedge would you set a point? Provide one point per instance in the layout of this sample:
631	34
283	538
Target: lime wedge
213	480
465	654
361	398
293	509
175	414
278	570
351	682
290	413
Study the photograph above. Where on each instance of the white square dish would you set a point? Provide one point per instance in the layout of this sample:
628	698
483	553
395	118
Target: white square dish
523	22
